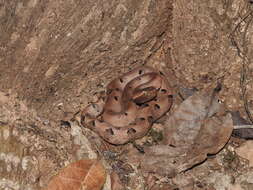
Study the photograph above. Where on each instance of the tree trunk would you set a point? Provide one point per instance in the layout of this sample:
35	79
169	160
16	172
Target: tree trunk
54	56
61	52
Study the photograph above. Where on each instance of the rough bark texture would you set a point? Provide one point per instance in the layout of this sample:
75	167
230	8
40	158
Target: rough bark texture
60	52
54	56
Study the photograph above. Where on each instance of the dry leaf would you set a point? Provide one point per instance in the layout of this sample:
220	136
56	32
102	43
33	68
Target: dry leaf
238	119
80	175
184	93
194	130
183	125
213	135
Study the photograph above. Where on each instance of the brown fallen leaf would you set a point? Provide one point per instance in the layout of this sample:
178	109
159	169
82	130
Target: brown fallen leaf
80	175
183	125
184	93
213	135
238	119
197	128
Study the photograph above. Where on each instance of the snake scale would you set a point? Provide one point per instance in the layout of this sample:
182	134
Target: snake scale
130	105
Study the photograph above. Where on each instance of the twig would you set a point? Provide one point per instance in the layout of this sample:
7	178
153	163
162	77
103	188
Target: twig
245	61
243	126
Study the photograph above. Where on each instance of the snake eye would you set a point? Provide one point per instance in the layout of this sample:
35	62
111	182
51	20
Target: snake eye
131	131
121	80
140	72
116	98
110	131
161	73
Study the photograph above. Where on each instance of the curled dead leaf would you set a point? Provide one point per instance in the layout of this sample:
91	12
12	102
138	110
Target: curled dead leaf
183	125
197	128
83	174
213	135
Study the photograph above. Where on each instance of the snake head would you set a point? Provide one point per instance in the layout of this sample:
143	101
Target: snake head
140	96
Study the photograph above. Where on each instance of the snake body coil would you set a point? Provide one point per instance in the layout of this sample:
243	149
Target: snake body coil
131	104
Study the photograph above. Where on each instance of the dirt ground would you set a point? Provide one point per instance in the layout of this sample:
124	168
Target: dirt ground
55	55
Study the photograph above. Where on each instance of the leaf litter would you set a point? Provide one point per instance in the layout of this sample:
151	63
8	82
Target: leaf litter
198	127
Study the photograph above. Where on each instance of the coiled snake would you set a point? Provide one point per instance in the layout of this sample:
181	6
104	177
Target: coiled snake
131	104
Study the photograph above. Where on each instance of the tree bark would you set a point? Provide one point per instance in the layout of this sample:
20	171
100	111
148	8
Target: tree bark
61	52
54	56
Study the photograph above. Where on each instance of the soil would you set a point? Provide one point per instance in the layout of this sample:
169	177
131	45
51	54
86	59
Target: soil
55	55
